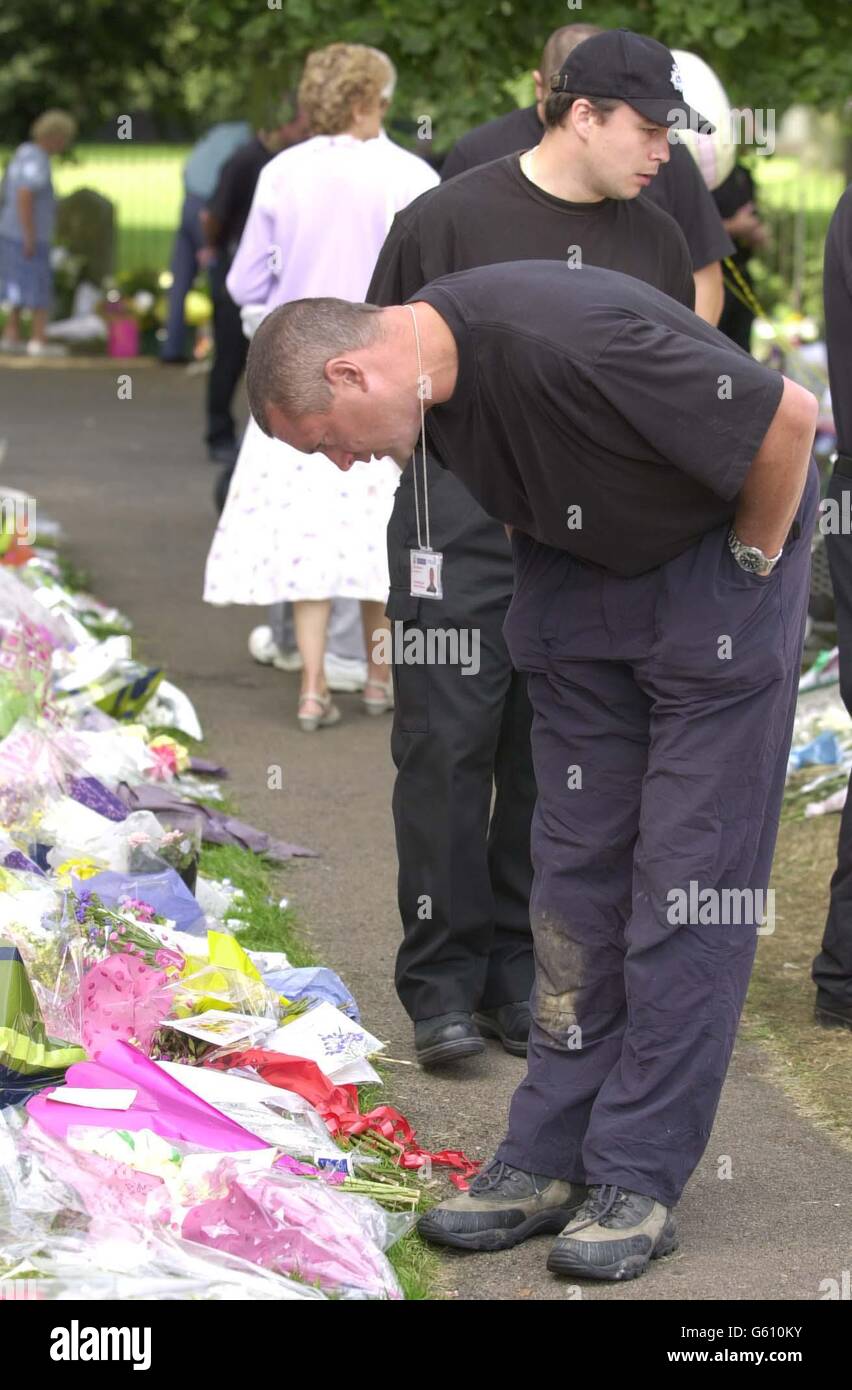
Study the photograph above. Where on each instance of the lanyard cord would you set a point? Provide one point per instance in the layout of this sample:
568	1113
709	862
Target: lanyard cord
742	290
422	445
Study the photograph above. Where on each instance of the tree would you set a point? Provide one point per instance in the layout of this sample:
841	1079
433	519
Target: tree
458	60
95	58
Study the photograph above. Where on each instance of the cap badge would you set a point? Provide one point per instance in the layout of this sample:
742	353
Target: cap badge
676	78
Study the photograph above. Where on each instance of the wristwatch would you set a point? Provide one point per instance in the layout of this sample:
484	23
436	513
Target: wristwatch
750	557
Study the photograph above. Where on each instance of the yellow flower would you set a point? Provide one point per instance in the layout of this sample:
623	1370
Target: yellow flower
84	867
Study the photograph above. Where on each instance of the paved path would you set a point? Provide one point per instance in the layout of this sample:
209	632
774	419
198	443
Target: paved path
130	483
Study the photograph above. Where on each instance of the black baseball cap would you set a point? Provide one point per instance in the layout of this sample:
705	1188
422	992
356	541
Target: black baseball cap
629	67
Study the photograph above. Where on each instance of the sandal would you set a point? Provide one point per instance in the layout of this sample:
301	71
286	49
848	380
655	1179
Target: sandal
381	698
329	713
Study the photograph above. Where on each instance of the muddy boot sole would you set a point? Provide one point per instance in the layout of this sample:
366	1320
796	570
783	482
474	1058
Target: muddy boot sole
497	1237
629	1267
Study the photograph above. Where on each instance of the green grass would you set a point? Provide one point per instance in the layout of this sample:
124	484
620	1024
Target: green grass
267	928
416	1266
810	1063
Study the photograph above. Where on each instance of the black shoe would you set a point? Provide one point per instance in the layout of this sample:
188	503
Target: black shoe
502	1207
616	1235
446	1038
224	454
510	1023
832	1015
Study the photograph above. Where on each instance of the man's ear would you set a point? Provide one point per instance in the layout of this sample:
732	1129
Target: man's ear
343	372
541	93
582	117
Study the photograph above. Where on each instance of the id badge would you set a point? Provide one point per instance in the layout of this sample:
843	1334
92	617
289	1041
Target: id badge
426	574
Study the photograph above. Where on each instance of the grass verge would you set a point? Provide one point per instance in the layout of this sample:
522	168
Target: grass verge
812	1064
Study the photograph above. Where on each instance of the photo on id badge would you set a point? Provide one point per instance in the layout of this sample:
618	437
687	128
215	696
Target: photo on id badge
426	574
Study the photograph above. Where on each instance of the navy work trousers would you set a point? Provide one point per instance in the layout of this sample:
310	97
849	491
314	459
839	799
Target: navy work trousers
662	718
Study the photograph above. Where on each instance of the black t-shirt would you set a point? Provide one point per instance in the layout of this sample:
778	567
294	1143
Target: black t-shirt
232	198
495	213
678	188
587	389
837	288
517	130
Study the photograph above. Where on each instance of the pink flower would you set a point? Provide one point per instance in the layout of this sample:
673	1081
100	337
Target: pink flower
165	958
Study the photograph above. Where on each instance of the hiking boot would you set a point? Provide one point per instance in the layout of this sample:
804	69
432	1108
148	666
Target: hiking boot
446	1038
510	1024
616	1235
502	1207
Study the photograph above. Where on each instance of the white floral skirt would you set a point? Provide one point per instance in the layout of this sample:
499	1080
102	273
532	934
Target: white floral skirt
295	527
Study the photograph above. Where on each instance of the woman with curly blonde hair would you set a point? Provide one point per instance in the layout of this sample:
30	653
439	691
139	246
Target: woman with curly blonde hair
295	528
342	85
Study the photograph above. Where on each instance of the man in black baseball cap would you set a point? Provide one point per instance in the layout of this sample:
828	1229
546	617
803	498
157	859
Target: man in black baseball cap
624	66
678	188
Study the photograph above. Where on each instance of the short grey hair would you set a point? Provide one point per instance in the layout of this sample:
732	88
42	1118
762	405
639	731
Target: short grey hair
289	351
54	122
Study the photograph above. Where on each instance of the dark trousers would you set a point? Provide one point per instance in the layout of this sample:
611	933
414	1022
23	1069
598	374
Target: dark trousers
832	969
465	787
663	716
184	267
230	350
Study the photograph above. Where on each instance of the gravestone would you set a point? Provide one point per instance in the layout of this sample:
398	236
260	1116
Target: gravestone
85	225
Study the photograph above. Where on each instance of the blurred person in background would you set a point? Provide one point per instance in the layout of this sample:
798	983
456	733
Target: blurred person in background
298	529
832	968
200	175
27	216
735	199
222	223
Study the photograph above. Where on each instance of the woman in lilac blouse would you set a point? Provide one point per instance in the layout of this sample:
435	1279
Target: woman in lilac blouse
294	527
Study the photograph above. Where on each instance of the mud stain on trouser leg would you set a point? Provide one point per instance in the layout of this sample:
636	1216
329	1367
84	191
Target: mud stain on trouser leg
563	972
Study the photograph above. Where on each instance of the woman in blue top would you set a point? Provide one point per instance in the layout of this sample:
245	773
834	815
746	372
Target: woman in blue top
27	212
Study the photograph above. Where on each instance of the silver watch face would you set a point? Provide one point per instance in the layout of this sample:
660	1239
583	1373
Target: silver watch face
750	557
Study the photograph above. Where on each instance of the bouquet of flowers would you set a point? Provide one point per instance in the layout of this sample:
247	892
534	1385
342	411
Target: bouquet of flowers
180	849
99	973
